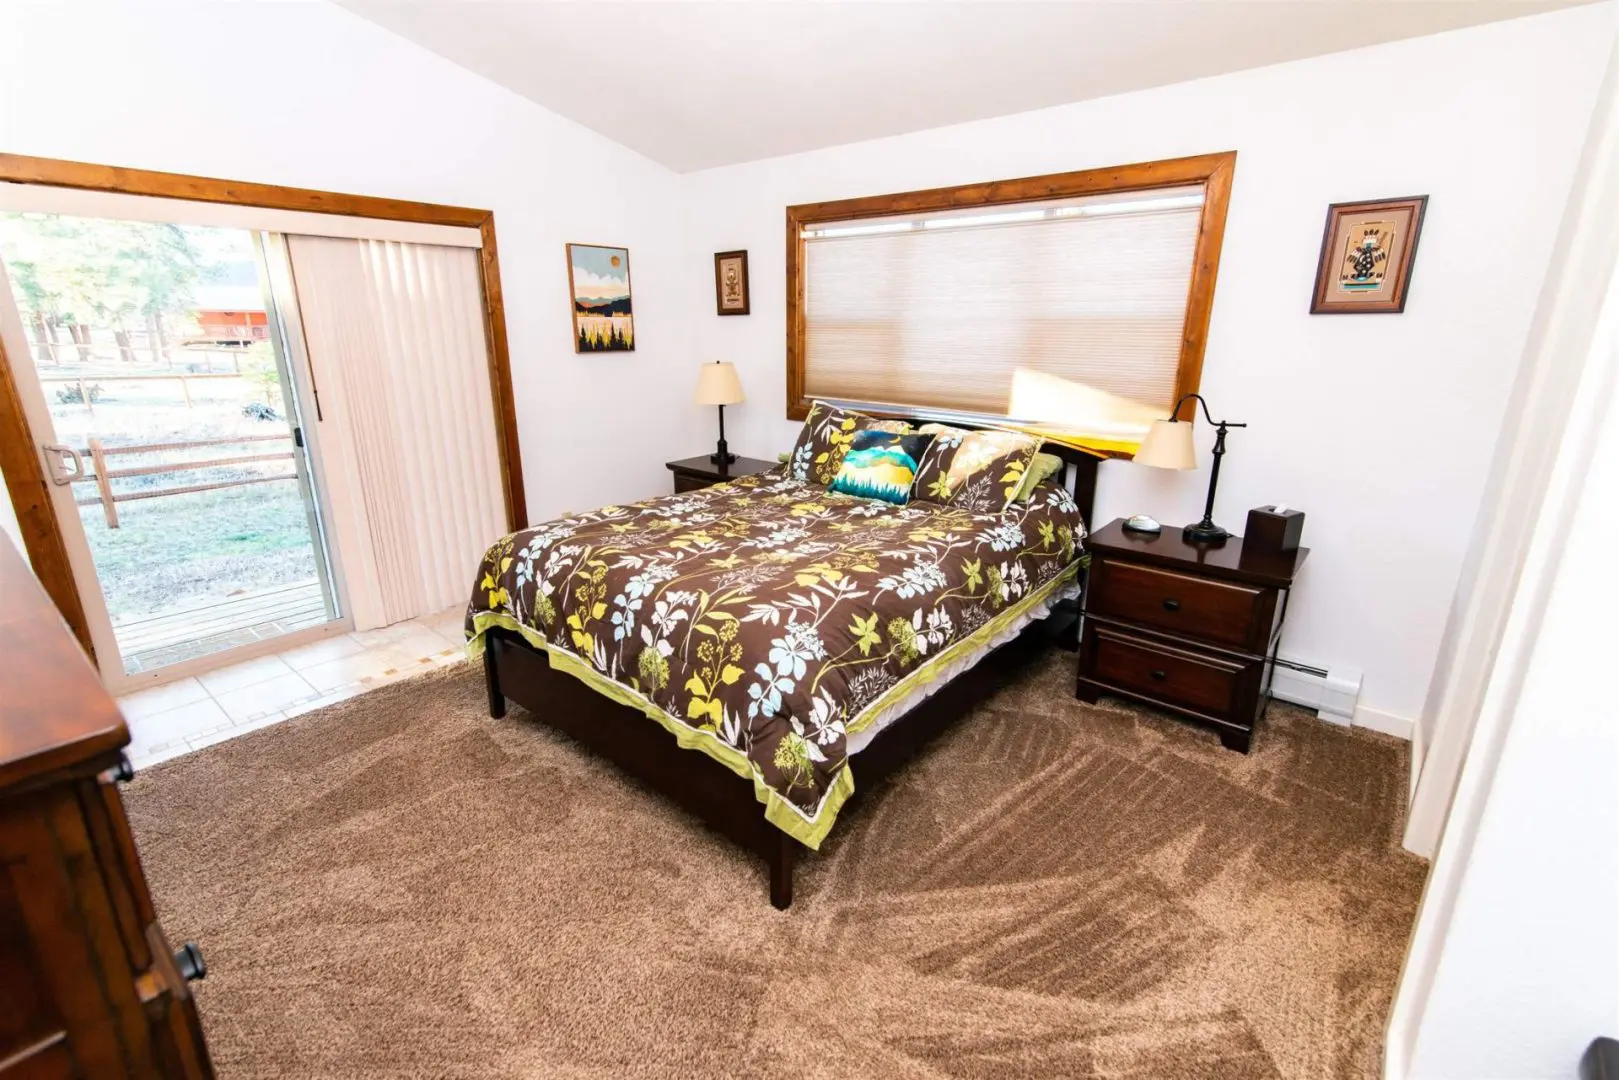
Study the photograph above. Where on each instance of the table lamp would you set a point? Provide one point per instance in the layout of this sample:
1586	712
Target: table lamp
717	384
1168	445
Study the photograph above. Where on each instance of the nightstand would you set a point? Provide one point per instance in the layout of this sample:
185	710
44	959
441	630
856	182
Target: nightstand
1187	627
699	472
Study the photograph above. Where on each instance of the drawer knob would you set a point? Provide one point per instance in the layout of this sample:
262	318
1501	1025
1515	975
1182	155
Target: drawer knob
188	958
1172	605
1160	674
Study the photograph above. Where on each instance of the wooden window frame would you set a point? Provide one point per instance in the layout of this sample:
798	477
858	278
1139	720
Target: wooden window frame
19	456
1212	171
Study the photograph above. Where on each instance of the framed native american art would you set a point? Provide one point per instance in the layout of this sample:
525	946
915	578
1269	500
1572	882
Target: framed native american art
1367	251
731	282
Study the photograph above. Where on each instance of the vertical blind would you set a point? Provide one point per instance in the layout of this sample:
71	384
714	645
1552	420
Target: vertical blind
939	309
396	343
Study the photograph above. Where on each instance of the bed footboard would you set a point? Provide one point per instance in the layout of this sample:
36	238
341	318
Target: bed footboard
515	671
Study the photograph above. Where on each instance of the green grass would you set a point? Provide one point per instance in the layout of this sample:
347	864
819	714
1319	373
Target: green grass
178	550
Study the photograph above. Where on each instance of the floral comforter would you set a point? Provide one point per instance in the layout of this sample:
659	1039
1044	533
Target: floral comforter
765	620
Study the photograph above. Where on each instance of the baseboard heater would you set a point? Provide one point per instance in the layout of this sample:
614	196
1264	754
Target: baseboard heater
1332	693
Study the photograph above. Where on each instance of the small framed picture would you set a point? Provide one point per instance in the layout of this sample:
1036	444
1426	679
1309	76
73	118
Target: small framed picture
1367	251
731	282
599	279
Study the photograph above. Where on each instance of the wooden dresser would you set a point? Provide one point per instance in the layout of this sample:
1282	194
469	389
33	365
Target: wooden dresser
1187	627
89	986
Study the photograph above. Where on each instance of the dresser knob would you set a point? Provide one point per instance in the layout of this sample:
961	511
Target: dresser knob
1172	605
188	958
1160	675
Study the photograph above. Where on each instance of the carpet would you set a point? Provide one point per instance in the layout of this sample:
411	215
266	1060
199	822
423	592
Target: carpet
397	886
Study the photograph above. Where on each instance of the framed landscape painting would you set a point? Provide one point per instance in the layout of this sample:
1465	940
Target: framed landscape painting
1367	251
599	279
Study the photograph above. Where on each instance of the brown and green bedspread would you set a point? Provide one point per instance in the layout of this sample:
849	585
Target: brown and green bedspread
767	620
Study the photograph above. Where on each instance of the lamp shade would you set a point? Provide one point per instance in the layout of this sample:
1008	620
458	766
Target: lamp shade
717	384
1168	445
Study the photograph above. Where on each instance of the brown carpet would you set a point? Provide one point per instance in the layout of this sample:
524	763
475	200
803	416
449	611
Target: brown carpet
399	886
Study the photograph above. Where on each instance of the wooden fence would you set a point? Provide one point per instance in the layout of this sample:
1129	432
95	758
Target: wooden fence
103	476
112	353
85	382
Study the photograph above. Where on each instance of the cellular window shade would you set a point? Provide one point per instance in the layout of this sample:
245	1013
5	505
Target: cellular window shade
939	309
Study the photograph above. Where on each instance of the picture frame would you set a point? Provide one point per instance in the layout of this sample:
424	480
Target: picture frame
599	292
1367	251
731	296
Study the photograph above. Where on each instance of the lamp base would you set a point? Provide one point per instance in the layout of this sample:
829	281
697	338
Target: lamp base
1204	532
721	456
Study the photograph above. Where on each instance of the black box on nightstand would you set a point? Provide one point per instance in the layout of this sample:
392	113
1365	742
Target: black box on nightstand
1270	530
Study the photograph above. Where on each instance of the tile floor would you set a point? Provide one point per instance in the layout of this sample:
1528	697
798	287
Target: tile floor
188	714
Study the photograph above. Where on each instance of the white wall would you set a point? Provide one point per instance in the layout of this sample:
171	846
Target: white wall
1379	427
309	95
1545	395
1514	962
1521	971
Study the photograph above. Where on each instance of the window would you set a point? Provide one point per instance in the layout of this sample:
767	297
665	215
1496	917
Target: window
930	301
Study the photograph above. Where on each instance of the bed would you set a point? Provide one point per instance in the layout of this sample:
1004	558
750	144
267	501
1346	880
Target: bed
749	648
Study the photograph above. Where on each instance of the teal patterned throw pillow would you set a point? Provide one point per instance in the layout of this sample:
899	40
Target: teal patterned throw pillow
881	465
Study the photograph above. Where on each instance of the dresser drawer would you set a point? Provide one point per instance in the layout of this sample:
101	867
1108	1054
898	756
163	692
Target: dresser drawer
1207	683
1218	612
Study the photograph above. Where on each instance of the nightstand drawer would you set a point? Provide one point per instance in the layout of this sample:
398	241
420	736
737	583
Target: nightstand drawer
1207	683
1215	611
686	482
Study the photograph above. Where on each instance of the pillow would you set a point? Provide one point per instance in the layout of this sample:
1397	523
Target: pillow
880	465
979	471
824	439
1044	467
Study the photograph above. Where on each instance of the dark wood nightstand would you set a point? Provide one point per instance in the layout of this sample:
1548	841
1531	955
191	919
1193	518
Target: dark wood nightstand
1187	627
698	472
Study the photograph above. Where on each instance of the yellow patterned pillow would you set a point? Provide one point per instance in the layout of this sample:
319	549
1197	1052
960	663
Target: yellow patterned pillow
974	470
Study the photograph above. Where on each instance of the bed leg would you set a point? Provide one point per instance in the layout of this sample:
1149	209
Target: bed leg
782	852
491	678
1068	637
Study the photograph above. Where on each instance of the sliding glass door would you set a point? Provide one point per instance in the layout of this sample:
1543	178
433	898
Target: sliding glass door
157	389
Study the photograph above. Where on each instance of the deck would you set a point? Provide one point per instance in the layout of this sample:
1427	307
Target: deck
160	640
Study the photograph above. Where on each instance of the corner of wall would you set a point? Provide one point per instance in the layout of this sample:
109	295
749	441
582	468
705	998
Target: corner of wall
1388	723
1418	750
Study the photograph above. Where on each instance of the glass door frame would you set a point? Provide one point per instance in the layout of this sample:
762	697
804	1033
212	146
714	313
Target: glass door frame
302	401
35	407
20	461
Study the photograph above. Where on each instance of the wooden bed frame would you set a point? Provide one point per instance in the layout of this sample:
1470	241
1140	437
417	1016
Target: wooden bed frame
516	671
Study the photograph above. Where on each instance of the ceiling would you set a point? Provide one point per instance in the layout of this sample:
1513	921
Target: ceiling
698	84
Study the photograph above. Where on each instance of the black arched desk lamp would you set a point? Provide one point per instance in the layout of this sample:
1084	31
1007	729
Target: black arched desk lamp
1168	445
